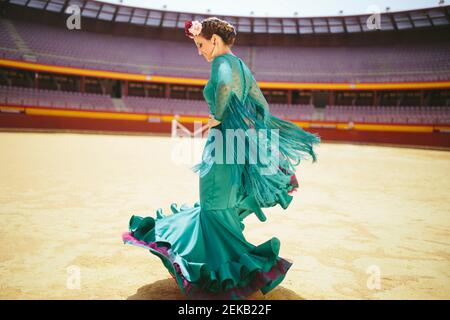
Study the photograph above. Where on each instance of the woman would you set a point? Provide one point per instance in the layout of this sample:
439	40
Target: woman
203	246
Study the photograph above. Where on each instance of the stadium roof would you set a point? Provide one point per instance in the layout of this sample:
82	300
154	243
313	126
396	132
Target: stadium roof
280	8
388	21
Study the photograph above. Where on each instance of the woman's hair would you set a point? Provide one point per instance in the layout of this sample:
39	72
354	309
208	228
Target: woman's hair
220	27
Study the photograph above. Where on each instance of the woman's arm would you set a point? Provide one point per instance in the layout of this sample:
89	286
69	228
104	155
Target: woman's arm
212	122
256	93
222	72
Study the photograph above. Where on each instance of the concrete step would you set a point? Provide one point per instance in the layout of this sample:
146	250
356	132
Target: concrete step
119	105
18	40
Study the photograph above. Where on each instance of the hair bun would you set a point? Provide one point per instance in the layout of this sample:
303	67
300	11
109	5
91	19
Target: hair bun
224	29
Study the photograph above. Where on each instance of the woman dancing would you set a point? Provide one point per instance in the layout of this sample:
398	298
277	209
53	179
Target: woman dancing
203	246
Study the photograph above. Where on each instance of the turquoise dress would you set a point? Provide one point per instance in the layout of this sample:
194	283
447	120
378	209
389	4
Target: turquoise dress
248	163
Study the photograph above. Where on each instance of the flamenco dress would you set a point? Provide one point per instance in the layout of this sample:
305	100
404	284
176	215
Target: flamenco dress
248	163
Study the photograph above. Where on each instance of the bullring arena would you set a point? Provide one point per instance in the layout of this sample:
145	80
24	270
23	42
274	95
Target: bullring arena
87	139
361	210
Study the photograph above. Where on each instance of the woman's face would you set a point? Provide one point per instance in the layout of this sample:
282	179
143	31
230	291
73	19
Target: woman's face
204	47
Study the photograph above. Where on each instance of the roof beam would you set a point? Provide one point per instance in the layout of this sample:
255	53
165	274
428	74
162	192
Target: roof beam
99	10
394	23
116	10
163	16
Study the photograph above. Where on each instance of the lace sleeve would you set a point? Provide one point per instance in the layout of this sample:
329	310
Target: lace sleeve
256	93
223	86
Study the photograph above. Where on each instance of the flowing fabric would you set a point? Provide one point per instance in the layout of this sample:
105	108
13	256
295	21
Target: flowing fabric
248	163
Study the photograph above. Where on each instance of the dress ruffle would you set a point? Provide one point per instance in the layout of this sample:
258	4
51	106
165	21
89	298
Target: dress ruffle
256	268
203	246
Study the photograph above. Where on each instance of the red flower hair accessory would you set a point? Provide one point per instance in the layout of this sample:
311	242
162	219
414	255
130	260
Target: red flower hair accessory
192	28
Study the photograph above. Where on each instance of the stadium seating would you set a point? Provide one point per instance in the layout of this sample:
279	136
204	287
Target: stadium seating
52	98
377	63
392	114
74	100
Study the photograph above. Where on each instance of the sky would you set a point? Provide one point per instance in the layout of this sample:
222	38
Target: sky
280	8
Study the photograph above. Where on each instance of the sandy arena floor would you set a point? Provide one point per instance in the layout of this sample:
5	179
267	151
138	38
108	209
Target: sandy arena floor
362	214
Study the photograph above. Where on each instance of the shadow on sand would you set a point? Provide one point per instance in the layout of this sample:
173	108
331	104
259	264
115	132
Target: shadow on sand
168	290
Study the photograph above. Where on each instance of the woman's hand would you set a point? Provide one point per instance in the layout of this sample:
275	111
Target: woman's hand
212	122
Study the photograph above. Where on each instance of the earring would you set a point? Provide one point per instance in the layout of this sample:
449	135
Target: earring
214	49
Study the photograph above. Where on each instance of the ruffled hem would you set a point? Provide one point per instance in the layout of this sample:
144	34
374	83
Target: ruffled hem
263	281
257	279
260	268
